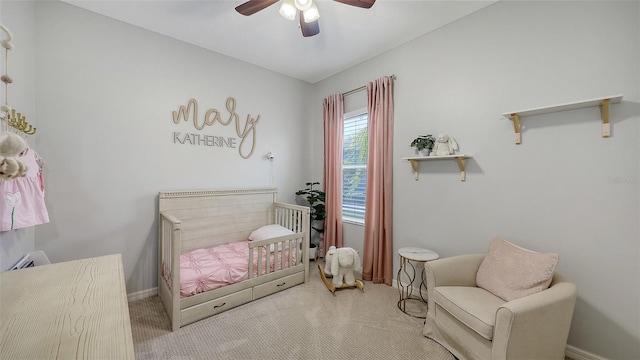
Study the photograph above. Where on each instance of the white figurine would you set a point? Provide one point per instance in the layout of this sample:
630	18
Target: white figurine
444	145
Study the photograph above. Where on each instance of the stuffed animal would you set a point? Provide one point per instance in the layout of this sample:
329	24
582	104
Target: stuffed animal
444	145
328	259
343	265
11	168
12	147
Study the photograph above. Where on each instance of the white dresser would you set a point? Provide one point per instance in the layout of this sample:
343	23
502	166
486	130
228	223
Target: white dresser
70	310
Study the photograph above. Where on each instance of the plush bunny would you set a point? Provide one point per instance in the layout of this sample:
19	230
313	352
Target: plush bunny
328	259
12	147
444	145
345	262
11	168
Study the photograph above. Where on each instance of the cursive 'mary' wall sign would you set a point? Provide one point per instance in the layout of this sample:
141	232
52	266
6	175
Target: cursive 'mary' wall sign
190	111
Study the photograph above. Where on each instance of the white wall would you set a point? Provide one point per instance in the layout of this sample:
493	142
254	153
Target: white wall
105	96
105	92
565	189
18	19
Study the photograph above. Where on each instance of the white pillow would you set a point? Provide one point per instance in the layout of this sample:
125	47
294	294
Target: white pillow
269	232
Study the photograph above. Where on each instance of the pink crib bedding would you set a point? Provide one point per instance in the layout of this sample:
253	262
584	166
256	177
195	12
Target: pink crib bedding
207	269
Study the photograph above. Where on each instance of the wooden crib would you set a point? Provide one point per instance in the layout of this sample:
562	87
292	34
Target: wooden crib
190	220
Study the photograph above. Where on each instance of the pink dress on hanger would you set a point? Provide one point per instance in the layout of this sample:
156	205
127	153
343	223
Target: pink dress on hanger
22	199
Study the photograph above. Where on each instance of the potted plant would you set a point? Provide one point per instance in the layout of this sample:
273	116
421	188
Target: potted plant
314	199
423	144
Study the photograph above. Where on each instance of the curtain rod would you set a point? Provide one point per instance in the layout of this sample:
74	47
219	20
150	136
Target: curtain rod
393	77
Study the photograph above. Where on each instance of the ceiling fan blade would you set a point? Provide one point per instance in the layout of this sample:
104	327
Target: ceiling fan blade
253	6
365	4
308	29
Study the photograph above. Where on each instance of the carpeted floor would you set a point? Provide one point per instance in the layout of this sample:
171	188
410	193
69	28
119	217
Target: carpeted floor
304	322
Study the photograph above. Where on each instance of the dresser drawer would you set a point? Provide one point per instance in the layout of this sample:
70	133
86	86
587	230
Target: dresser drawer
277	285
214	306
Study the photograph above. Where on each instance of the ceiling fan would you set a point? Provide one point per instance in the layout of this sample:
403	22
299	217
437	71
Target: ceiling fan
307	11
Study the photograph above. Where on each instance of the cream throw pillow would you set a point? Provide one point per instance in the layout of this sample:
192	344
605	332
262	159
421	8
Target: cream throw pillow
269	232
511	272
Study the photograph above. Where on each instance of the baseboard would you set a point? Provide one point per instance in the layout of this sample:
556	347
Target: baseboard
415	291
579	354
142	294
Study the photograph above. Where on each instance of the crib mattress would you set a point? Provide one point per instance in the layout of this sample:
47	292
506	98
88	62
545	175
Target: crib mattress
208	269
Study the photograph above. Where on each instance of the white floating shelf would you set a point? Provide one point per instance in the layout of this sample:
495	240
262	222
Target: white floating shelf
603	102
459	158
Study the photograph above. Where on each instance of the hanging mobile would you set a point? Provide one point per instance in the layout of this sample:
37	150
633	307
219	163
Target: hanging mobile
12	146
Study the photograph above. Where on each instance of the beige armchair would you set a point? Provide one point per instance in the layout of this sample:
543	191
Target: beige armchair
472	323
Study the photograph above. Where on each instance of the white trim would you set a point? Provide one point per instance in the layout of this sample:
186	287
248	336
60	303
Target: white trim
352	222
415	291
356	112
579	354
142	294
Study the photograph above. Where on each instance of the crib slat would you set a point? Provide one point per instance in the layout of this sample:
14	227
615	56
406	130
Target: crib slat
251	263
267	269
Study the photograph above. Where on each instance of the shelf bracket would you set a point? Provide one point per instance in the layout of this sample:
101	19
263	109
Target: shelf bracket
463	175
604	110
516	127
415	165
461	160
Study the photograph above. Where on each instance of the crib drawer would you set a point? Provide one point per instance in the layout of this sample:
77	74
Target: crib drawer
214	306
277	285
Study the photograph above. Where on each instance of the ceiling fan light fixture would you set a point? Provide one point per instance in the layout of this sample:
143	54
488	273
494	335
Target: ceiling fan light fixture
288	10
311	14
303	5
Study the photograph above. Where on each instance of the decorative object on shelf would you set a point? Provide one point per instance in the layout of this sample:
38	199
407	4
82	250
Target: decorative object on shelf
423	144
444	145
602	102
314	199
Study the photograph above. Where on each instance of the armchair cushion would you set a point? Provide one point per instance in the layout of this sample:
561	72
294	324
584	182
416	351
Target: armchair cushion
511	272
474	307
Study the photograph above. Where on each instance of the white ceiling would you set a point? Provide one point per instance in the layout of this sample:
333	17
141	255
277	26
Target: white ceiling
348	35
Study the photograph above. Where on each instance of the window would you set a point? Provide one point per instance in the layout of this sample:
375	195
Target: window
354	166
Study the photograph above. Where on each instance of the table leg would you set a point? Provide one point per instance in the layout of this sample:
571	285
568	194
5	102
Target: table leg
406	292
423	284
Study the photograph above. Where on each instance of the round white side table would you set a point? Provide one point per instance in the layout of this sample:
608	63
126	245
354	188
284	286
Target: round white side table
407	271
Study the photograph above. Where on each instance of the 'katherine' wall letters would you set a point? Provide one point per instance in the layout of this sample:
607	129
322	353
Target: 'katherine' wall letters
210	118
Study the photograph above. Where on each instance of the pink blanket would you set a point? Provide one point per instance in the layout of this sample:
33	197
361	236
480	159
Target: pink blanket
207	269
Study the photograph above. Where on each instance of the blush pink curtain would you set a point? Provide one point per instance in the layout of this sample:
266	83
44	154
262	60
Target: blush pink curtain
333	118
378	220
